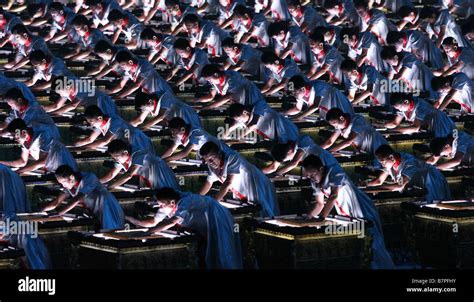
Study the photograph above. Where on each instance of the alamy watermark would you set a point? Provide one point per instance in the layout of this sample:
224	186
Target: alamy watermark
18	227
395	86
80	85
356	227
237	134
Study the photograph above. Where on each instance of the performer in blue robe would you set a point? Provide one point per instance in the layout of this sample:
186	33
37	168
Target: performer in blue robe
191	138
31	113
458	148
163	106
406	170
270	125
111	128
238	176
85	188
141	73
73	96
292	153
421	114
37	255
153	171
316	95
334	189
13	197
205	216
39	144
355	131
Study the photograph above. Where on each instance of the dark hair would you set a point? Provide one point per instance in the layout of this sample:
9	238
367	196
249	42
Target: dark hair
64	171
15	94
124	56
405	11
93	2
181	44
172	3
167	194
438	82
37	56
276	27
349	65
450	41
236	110
388	52
322	30
142	98
115	15
148	33
331	3
317	37
399	97
20	29
468	25
334	114
208	148
349	32
280	150
102	46
210	69
230	43
293	3
56	6
394	36
437	145
384	151
269	57
93	112
297	81
361	4
312	161
427	12
190	18
241	10
33	8
118	145
17	124
177	123
80	20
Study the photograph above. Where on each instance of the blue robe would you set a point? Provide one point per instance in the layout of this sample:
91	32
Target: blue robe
464	144
99	99
424	48
198	137
153	171
330	97
45	141
209	218
371	77
422	175
353	202
174	107
7	83
126	132
153	82
367	139
275	126
306	144
36	252
240	89
249	183
13	197
100	202
432	119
